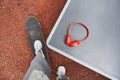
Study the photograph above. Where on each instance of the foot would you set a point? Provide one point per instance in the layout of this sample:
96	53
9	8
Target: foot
61	71
38	47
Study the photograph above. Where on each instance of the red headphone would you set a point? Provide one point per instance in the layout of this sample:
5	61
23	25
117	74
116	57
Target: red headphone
75	42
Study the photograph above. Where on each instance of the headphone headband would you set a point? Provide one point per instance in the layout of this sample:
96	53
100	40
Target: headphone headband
76	42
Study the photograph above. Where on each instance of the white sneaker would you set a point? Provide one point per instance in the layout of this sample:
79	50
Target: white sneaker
38	47
61	71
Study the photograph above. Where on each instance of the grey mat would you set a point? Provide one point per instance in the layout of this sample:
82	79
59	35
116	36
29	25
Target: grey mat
101	52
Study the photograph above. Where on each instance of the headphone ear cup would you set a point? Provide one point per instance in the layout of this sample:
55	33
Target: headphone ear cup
74	43
68	39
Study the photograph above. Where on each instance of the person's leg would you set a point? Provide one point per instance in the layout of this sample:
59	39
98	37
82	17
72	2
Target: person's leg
38	63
